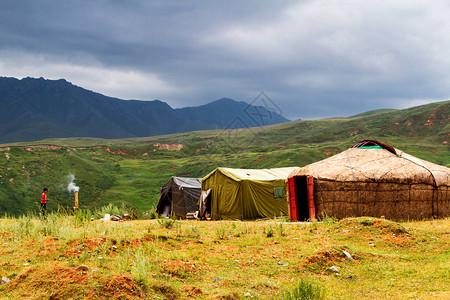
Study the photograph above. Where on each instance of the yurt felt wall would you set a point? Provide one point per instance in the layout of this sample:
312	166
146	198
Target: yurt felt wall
377	181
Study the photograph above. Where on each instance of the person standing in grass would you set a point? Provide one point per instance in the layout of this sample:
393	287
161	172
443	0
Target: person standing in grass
44	200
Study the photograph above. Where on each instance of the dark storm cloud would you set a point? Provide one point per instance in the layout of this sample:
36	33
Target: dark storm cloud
313	58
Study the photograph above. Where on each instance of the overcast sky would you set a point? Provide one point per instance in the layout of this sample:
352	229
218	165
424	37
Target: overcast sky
314	59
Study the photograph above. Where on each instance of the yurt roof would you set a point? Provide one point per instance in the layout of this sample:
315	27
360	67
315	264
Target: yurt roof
375	161
254	174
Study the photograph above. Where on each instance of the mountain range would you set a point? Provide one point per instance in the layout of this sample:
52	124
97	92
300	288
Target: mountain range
37	108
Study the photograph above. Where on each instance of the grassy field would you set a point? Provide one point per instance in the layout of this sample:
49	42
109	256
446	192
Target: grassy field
130	171
104	177
72	257
69	256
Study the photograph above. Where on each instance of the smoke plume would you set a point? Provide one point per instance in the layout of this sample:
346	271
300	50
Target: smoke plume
72	187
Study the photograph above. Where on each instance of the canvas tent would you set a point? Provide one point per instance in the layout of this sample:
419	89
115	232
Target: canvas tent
244	193
179	196
370	179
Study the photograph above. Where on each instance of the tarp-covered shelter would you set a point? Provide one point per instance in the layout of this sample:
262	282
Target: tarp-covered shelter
179	196
370	179
244	193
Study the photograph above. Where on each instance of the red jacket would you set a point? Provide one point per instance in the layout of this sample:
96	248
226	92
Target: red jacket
44	198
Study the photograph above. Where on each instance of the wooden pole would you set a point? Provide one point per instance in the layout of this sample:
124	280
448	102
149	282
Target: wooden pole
76	199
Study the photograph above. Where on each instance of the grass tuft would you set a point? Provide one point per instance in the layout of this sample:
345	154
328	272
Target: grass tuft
222	232
304	290
141	268
269	232
166	223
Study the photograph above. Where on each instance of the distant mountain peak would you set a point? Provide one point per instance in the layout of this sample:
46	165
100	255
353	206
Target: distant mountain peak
225	99
38	108
222	101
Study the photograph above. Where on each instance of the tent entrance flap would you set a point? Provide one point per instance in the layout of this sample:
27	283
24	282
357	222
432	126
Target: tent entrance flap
302	198
166	211
164	206
205	203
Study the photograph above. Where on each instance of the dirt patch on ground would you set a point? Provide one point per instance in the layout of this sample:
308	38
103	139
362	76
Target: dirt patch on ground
180	269
47	247
232	296
133	243
118	287
30	148
397	240
76	248
166	290
384	226
65	283
259	159
192	291
320	261
57	283
200	149
376	230
150	238
5	236
121	152
170	147
59	276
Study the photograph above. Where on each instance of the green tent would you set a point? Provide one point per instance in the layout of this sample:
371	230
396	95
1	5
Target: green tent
244	193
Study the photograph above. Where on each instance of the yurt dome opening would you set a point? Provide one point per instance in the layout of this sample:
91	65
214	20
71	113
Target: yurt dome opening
372	178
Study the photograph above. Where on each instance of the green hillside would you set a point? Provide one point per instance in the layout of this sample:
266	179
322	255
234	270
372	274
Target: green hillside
131	171
372	112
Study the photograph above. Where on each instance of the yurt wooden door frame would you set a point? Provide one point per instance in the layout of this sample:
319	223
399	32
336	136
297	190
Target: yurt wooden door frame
301	198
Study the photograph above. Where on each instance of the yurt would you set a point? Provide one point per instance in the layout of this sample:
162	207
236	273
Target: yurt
244	193
371	178
179	196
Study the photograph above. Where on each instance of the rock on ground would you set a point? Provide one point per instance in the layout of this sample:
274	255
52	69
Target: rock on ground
5	280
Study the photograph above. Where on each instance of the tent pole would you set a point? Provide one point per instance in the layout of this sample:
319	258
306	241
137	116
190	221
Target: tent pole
171	206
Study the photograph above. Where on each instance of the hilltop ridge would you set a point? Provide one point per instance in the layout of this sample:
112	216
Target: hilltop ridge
36	109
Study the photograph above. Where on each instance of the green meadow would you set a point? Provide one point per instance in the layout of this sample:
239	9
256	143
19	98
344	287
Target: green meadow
129	172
